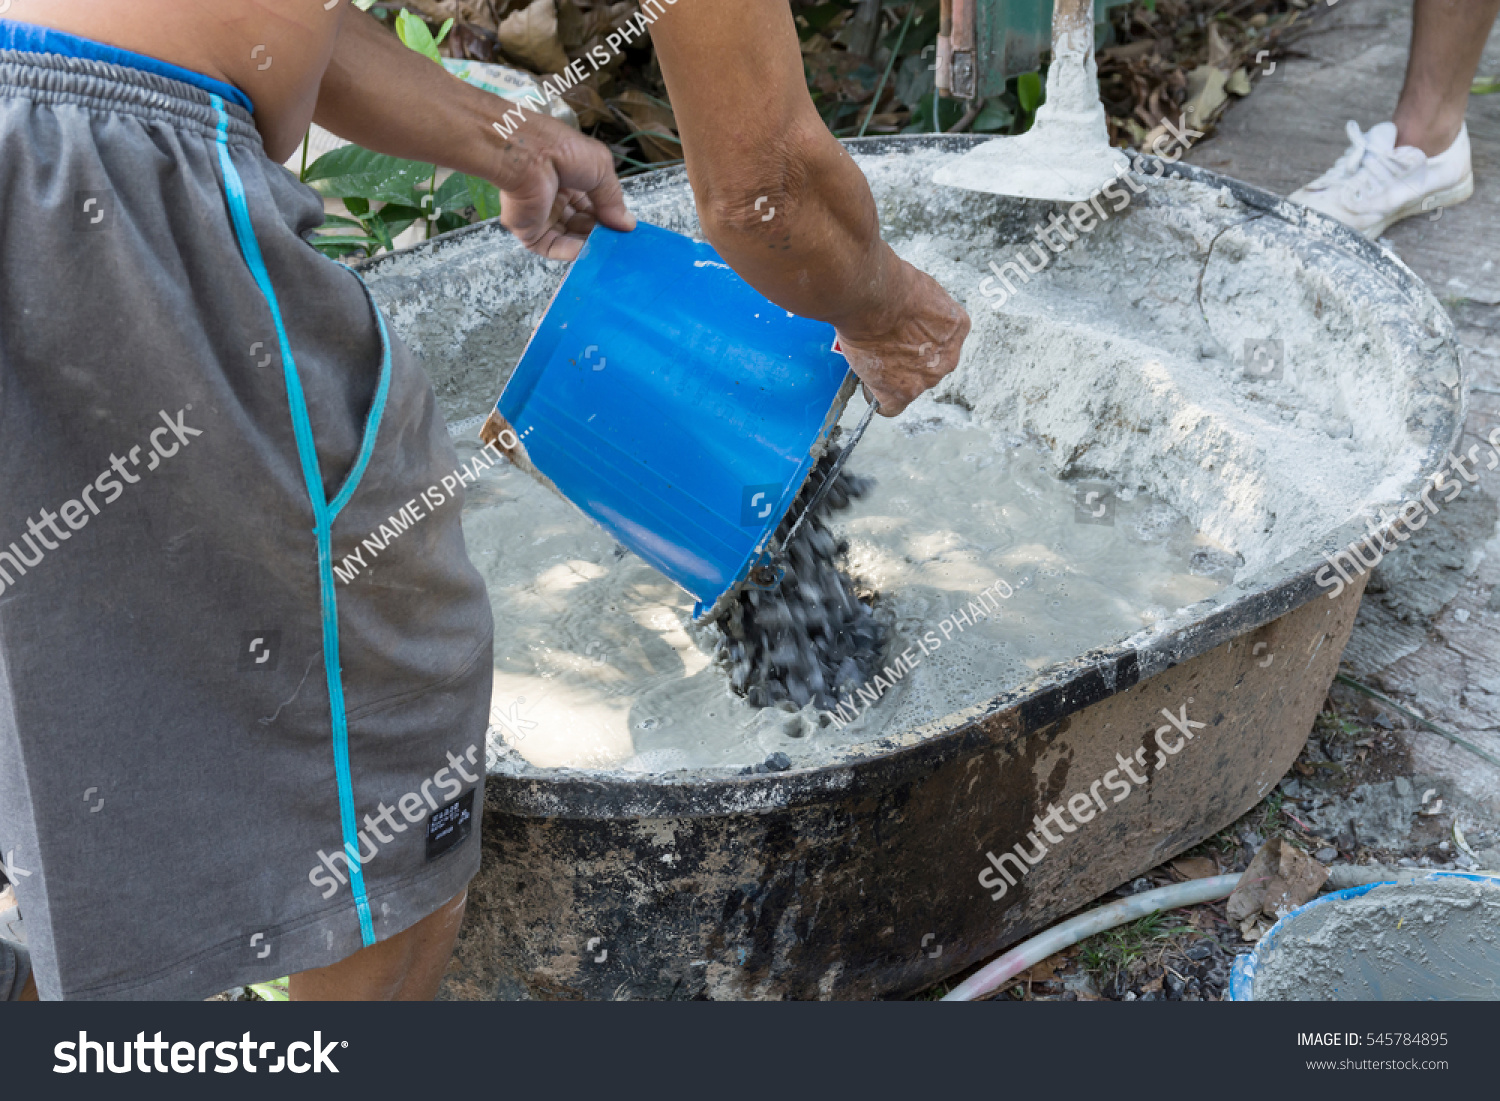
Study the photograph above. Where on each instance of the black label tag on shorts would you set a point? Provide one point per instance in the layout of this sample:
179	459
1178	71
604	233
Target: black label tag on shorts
450	825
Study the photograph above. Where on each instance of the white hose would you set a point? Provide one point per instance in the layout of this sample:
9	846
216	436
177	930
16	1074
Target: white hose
1031	952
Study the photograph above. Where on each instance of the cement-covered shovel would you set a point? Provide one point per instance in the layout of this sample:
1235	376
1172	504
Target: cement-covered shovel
1066	155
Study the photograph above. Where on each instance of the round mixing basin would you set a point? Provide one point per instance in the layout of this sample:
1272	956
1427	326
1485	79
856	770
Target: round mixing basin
1101	547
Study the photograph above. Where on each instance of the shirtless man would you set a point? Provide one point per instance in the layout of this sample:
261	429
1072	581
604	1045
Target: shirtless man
168	337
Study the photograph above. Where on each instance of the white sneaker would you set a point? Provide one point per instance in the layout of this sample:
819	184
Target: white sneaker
1375	184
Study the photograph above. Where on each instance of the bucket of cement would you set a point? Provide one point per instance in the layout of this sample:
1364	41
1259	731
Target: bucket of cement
1433	937
674	404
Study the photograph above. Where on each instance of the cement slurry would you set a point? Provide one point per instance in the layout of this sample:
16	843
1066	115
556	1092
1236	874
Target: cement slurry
598	650
1429	940
1121	361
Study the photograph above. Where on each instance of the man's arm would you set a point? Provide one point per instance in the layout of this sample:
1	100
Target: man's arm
786	206
554	182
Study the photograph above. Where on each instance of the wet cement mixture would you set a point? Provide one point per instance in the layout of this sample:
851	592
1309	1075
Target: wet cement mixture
1222	399
599	663
1430	939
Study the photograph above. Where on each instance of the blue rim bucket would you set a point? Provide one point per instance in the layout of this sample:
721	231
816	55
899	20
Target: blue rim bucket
1242	974
674	405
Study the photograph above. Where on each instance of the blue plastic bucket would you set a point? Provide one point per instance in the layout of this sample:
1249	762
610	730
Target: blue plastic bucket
675	405
1294	924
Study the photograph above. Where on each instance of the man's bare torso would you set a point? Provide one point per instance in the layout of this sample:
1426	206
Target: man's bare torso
275	51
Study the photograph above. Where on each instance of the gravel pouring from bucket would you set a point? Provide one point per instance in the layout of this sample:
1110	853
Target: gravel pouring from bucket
1066	155
675	406
695	420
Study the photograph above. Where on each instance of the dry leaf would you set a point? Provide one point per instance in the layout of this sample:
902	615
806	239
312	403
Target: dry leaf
1130	51
1195	867
582	24
587	101
530	36
479	12
1238	83
1219	51
1280	877
1252	929
1206	94
647	116
1046	971
846	76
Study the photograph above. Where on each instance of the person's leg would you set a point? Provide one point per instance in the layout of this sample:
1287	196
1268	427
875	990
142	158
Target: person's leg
406	968
1447	38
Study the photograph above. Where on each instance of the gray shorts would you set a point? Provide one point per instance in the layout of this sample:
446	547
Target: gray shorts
217	764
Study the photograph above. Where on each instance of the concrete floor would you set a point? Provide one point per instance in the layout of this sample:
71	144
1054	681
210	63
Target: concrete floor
1428	633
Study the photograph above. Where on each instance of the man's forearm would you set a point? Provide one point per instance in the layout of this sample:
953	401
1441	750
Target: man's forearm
801	227
383	96
777	195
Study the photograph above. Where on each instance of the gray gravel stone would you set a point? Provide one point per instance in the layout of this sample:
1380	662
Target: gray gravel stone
810	640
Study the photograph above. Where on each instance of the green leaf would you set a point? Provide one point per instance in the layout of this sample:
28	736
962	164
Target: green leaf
1485	85
395	219
364	5
995	116
1029	92
442	34
484	197
357	206
452	197
274	991
338	221
325	240
414	33
449	222
914	78
381	234
340	252
359	173
949	111
821	15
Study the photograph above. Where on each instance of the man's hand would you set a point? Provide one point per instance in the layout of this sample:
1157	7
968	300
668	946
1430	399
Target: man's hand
555	185
554	182
911	354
